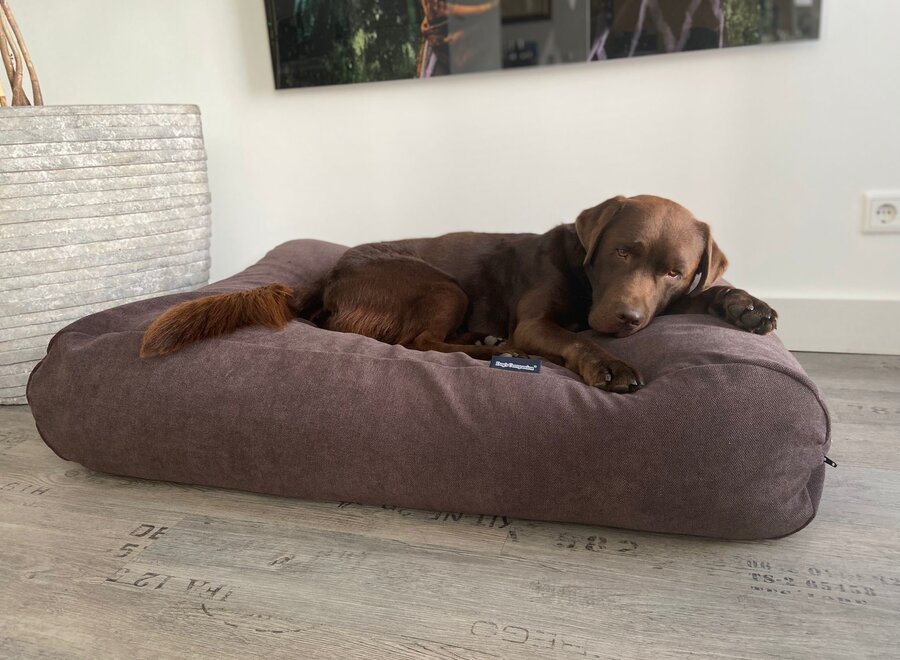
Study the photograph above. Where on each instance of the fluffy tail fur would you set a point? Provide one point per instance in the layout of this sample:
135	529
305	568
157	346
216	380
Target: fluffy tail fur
217	315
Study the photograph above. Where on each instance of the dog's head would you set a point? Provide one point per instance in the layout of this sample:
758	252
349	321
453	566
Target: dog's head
641	253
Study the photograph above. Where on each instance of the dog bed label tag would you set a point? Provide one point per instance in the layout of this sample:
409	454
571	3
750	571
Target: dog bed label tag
523	365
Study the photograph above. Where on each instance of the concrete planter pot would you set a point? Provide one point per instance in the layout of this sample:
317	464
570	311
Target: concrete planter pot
99	206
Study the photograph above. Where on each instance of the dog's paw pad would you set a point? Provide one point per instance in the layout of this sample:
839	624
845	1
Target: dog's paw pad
612	376
748	313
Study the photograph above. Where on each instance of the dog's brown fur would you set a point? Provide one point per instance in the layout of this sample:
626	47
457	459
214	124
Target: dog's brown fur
217	315
620	264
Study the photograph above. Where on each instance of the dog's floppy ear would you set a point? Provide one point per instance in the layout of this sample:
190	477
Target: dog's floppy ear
591	222
713	263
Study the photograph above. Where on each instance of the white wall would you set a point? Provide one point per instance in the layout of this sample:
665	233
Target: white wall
773	145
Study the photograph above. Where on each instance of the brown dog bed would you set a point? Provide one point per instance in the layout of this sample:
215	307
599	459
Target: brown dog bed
727	439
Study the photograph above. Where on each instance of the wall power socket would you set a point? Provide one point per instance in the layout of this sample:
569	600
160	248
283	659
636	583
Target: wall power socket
882	214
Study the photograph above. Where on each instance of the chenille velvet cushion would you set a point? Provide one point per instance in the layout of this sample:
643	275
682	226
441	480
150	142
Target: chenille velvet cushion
726	440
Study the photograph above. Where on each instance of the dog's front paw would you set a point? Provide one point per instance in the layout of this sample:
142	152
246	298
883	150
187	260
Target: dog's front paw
511	352
610	374
748	313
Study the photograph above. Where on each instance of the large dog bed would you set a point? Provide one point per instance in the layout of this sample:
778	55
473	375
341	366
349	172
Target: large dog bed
726	440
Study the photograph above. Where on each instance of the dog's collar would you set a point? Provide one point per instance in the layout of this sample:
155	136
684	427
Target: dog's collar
695	282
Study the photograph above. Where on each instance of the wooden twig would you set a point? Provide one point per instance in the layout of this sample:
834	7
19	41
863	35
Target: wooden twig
18	87
5	55
5	52
32	74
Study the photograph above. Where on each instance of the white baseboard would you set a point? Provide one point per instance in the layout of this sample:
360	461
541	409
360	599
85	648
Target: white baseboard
839	325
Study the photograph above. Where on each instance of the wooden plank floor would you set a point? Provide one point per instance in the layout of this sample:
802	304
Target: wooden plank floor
95	566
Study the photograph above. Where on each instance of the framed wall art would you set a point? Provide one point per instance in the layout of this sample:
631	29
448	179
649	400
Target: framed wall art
329	42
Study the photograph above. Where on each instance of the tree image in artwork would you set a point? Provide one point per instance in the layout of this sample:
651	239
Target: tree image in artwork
326	42
742	22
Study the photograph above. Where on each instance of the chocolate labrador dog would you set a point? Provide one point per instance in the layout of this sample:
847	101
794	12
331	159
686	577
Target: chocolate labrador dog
620	264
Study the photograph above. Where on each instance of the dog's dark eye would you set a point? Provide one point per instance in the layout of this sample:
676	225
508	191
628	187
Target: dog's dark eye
673	274
622	252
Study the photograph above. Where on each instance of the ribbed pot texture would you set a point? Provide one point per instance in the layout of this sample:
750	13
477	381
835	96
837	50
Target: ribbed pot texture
99	206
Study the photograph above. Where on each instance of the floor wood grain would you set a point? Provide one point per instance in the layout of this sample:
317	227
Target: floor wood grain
96	566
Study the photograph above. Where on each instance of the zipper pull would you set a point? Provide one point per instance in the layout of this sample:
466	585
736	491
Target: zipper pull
830	462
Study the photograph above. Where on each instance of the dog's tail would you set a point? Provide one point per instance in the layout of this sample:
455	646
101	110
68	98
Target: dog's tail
220	314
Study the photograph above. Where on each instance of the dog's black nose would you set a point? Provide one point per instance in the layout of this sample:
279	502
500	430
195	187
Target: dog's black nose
629	316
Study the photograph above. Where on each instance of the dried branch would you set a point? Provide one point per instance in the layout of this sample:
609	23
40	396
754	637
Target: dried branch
32	74
5	53
18	87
